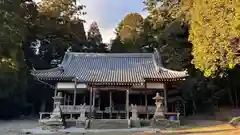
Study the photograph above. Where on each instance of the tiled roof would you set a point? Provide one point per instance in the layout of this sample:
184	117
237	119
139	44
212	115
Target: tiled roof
110	68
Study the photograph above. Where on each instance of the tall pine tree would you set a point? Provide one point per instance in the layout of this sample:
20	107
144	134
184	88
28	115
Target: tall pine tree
94	39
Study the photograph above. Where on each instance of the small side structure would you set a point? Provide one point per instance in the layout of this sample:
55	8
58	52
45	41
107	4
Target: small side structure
102	86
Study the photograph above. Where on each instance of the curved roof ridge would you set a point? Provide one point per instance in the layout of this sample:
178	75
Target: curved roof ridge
113	54
46	70
174	71
66	60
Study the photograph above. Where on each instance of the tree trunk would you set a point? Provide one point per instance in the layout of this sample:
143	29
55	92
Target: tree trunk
194	107
230	96
236	97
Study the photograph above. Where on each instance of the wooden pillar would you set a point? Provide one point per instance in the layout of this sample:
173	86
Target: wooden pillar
99	103
94	97
64	99
68	100
127	104
55	94
91	91
84	98
110	103
146	100
165	98
146	104
93	101
75	92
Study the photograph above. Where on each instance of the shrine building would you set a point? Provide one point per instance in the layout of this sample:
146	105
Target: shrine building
111	82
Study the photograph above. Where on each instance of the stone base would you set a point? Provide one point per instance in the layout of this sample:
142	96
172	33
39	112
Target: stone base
70	123
159	123
108	124
81	124
52	127
164	123
52	123
135	123
173	124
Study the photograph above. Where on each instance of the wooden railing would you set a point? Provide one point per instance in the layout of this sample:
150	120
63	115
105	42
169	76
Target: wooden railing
70	109
142	109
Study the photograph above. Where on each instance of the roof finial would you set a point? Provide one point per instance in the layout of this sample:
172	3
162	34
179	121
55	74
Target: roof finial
33	69
69	49
157	57
155	50
61	68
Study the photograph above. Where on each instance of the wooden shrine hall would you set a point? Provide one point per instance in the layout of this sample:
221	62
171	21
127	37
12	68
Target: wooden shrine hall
108	84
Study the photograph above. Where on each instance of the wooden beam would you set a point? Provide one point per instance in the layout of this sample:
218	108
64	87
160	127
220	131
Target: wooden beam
113	88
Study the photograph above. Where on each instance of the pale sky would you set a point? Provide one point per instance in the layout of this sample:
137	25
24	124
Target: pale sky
108	13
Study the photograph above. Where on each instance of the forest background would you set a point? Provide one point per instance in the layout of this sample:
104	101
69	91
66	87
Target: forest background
200	36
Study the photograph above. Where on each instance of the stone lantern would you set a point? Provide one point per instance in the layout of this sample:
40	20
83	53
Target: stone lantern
56	120
159	112
57	99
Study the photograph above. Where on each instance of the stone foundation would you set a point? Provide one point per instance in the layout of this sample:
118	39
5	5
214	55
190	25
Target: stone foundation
108	124
135	123
81	124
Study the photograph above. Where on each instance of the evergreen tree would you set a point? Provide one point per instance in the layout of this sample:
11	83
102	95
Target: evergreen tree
94	39
94	34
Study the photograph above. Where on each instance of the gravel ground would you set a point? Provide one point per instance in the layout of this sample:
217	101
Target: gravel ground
15	127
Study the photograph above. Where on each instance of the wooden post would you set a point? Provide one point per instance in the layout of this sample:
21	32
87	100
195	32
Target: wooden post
84	98
99	103
75	92
127	104
165	98
91	91
110	103
68	101
55	94
93	100
146	100
94	97
64	99
146	104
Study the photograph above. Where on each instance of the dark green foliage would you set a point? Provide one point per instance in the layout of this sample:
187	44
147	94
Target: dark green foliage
94	40
23	27
37	37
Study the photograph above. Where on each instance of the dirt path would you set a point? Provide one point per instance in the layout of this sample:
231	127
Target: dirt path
222	129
